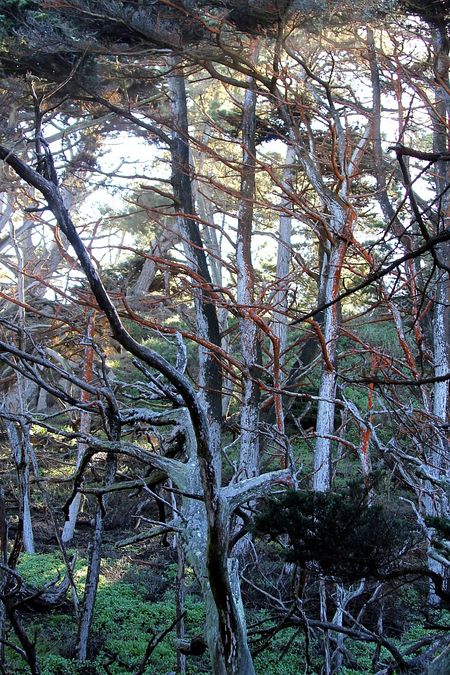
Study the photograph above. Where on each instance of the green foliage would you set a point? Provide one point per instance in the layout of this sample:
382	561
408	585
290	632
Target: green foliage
338	532
38	569
53	664
285	656
363	654
379	333
441	525
13	5
124	621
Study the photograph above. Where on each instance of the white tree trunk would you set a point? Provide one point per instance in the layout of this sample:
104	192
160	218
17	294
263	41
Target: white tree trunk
158	248
279	324
327	390
20	450
284	255
436	502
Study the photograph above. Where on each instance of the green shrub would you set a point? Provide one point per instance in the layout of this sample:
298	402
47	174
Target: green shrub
38	569
53	664
338	532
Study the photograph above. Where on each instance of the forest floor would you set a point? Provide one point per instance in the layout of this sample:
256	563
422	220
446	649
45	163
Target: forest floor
136	601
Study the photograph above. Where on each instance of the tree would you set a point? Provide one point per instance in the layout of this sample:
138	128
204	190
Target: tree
291	332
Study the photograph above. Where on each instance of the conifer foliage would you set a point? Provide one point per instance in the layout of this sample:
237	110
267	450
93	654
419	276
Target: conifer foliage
337	534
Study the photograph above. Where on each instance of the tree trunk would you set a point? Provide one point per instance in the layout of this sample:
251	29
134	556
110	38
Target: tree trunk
93	573
279	325
20	448
19	439
284	255
202	194
210	373
159	248
436	504
225	629
249	436
85	426
327	389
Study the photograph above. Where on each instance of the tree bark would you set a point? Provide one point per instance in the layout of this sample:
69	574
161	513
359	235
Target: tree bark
327	389
249	437
19	442
93	573
436	503
210	374
85	426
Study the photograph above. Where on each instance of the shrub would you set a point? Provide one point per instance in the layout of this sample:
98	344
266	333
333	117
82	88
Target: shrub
339	533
